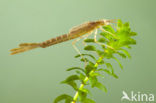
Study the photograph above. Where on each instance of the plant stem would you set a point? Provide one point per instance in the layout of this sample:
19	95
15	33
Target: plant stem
85	81
81	87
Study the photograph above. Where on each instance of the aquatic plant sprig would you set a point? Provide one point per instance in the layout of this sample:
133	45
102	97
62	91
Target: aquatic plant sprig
90	74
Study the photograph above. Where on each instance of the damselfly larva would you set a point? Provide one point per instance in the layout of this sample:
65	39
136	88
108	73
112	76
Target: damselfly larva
81	31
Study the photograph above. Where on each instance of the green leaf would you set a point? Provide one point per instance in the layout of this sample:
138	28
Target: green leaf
82	77
89	68
65	97
132	41
68	100
100	61
118	63
126	24
93	80
87	100
122	54
100	69
107	71
133	34
89	40
104	34
87	91
75	68
73	84
126	52
109	28
84	90
90	48
127	46
102	40
71	78
84	60
101	86
100	53
109	66
129	41
82	94
86	55
95	74
91	63
71	81
114	75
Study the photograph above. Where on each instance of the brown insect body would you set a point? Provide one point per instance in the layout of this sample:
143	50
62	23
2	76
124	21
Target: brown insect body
75	32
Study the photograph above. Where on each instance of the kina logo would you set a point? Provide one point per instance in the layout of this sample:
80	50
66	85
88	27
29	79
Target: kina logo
138	96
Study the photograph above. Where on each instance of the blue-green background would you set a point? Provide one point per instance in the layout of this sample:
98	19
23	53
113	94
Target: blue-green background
34	76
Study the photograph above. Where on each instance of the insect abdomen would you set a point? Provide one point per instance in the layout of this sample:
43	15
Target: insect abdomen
74	33
55	40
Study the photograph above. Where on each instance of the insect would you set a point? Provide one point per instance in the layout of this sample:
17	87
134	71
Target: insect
80	31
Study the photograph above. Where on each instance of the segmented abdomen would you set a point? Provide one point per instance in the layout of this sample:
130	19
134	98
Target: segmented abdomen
74	33
55	40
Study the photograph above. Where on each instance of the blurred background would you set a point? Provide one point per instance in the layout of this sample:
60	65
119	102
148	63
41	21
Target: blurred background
34	76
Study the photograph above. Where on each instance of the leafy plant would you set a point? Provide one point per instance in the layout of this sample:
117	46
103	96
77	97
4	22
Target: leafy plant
98	54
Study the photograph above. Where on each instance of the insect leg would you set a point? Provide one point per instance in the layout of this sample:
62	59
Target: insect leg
85	37
101	43
108	32
73	43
